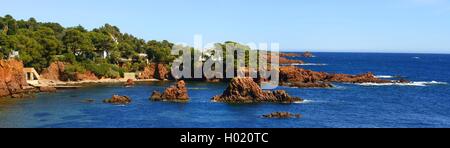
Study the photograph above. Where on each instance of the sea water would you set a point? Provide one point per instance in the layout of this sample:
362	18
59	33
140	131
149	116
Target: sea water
425	102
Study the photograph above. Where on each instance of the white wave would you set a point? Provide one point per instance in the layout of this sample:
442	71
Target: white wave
303	102
419	83
307	64
384	77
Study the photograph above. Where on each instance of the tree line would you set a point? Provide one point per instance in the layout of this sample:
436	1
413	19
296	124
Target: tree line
40	43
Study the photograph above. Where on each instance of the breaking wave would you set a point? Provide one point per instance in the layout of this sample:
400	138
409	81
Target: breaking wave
307	64
384	77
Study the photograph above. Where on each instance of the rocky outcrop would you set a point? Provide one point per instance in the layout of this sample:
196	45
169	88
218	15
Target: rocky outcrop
148	73
177	93
245	90
87	75
285	61
116	99
163	72
295	74
54	72
12	79
155	71
308	54
362	78
298	77
290	55
282	115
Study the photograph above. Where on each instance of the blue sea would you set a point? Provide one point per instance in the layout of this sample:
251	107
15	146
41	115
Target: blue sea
423	103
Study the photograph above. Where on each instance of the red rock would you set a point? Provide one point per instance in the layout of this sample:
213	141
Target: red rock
130	82
149	72
177	92
282	115
84	76
299	77
295	74
290	55
245	90
54	71
12	78
285	61
47	89
163	72
116	99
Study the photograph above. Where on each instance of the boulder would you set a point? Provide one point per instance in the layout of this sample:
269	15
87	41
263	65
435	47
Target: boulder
282	115
116	99
245	90
177	92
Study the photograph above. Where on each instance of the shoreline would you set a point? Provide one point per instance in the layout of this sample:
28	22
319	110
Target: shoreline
52	83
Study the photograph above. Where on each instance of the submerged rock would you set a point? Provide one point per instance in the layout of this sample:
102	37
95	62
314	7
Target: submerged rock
245	90
282	115
129	83
116	99
47	89
177	92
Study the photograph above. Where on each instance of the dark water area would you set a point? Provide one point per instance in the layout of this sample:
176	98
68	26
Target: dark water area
423	103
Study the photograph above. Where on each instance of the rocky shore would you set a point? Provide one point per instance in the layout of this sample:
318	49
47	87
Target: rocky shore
12	80
298	77
245	90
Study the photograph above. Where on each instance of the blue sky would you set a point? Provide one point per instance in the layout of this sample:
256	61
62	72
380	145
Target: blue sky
317	25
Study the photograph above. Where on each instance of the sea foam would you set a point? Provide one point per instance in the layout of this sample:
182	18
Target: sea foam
305	64
384	77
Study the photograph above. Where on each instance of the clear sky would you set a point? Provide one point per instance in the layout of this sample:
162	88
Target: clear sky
317	25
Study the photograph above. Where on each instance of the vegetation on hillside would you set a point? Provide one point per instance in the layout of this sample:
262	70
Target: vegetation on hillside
99	50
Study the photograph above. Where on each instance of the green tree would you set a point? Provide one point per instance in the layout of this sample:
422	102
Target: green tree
78	43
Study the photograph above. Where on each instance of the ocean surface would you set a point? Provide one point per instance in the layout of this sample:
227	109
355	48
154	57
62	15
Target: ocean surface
423	103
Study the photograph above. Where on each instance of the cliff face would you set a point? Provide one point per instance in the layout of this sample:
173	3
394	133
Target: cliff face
54	71
155	71
12	78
